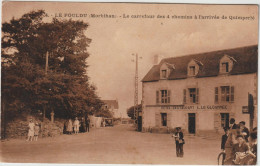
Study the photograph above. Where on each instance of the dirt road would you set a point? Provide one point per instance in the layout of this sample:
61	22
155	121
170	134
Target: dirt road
111	145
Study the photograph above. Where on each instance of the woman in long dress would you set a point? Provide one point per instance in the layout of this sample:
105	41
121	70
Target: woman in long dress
70	129
76	125
30	131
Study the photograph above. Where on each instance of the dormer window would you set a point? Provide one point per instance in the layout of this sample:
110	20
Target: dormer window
225	67
165	70
164	73
193	67
192	70
226	64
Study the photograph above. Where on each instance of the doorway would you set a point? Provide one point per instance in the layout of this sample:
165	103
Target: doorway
224	119
192	123
164	119
139	122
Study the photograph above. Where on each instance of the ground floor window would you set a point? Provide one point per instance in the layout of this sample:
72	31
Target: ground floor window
224	119
164	119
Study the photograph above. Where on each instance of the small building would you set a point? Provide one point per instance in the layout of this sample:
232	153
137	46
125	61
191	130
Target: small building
201	92
113	107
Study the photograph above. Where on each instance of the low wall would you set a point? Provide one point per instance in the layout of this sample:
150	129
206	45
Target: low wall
18	128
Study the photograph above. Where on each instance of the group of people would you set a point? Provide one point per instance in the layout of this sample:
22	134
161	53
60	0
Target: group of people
76	126
33	131
239	145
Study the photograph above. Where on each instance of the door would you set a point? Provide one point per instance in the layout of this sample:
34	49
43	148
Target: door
192	123
224	119
139	123
164	119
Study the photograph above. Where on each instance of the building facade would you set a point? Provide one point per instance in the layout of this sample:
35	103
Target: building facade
113	107
201	92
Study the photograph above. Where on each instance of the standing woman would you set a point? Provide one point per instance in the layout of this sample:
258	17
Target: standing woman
179	141
76	125
30	131
69	128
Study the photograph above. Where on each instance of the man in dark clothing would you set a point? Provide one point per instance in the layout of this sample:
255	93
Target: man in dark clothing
244	130
87	124
233	125
224	138
179	142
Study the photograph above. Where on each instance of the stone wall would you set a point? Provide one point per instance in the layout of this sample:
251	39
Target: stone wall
18	128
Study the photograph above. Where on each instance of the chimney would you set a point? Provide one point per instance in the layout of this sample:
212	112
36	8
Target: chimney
156	59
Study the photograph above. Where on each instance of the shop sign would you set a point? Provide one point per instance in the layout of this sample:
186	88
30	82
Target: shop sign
245	110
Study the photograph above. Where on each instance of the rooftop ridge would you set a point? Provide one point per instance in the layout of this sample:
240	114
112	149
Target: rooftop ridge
208	52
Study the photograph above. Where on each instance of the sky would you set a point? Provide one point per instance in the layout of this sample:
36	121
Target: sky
114	40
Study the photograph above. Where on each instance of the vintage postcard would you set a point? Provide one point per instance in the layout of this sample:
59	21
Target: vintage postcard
129	83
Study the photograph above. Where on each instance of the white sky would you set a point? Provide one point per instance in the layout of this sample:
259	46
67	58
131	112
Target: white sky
114	40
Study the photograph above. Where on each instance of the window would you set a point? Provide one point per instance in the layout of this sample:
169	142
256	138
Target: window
192	70
226	94
163	96
193	95
225	67
164	119
224	119
164	73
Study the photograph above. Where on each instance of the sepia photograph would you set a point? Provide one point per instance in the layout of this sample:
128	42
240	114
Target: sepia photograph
129	83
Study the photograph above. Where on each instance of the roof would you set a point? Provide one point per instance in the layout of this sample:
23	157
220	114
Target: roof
245	62
111	103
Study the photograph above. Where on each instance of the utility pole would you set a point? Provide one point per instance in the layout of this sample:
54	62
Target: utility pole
136	88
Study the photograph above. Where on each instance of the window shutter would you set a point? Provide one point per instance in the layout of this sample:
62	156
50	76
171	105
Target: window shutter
157	119
216	94
197	95
184	96
169	96
157	97
232	94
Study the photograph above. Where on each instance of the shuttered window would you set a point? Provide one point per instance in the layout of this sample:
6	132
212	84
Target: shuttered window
193	96
227	93
163	97
216	94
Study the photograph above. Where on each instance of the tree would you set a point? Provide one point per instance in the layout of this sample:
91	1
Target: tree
26	87
130	111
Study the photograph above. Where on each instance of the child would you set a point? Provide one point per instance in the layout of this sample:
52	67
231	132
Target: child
76	125
36	131
240	150
30	131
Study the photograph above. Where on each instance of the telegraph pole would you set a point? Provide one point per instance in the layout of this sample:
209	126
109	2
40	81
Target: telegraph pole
136	88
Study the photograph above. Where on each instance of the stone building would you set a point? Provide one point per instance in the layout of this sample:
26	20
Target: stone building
201	92
113	107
